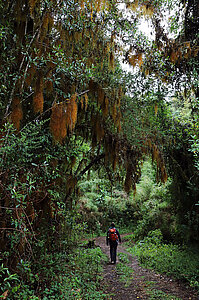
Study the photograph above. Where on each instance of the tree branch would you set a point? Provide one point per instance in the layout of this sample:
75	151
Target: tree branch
94	161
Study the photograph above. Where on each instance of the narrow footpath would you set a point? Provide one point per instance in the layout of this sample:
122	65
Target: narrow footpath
142	281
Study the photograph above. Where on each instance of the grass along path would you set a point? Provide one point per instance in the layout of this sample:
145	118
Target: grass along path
128	280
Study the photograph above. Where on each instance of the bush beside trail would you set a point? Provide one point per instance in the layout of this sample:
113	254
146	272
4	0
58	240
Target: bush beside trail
180	262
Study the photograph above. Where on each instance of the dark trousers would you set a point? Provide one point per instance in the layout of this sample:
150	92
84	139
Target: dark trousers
113	250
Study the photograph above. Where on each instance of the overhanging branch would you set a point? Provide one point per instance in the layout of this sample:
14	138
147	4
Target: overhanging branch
93	162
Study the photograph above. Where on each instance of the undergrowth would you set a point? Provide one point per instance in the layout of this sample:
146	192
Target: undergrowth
75	276
160	295
124	271
173	260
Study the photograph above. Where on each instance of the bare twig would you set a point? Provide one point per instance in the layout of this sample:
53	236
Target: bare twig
29	222
11	208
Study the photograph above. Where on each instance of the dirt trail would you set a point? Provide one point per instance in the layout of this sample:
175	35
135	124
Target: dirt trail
141	281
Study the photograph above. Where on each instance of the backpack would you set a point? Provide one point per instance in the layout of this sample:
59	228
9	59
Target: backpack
112	234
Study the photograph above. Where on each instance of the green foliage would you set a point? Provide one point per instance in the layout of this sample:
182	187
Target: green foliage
155	294
152	204
63	277
123	257
128	238
124	271
78	275
173	260
27	166
68	46
194	148
101	203
148	209
68	272
9	282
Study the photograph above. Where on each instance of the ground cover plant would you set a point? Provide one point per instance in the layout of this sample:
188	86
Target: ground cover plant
160	295
58	276
180	262
124	271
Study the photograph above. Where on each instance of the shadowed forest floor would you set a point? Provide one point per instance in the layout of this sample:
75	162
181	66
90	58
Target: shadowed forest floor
142	282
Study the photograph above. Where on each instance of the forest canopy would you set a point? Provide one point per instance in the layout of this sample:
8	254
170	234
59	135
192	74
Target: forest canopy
68	105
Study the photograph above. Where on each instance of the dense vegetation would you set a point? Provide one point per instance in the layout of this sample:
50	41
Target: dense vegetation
78	129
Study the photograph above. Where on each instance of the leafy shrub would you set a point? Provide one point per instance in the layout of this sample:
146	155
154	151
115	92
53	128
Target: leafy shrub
152	204
176	261
101	203
128	239
74	276
8	281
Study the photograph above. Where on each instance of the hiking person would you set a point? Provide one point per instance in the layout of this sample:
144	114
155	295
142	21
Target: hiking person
112	239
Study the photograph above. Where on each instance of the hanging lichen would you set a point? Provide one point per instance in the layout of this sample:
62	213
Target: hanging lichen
101	95
97	5
120	94
111	61
114	112
38	98
49	83
58	121
30	74
17	113
140	59
132	60
105	107
32	4
136	59
132	5
99	130
146	10
82	102
45	26
156	109
71	112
